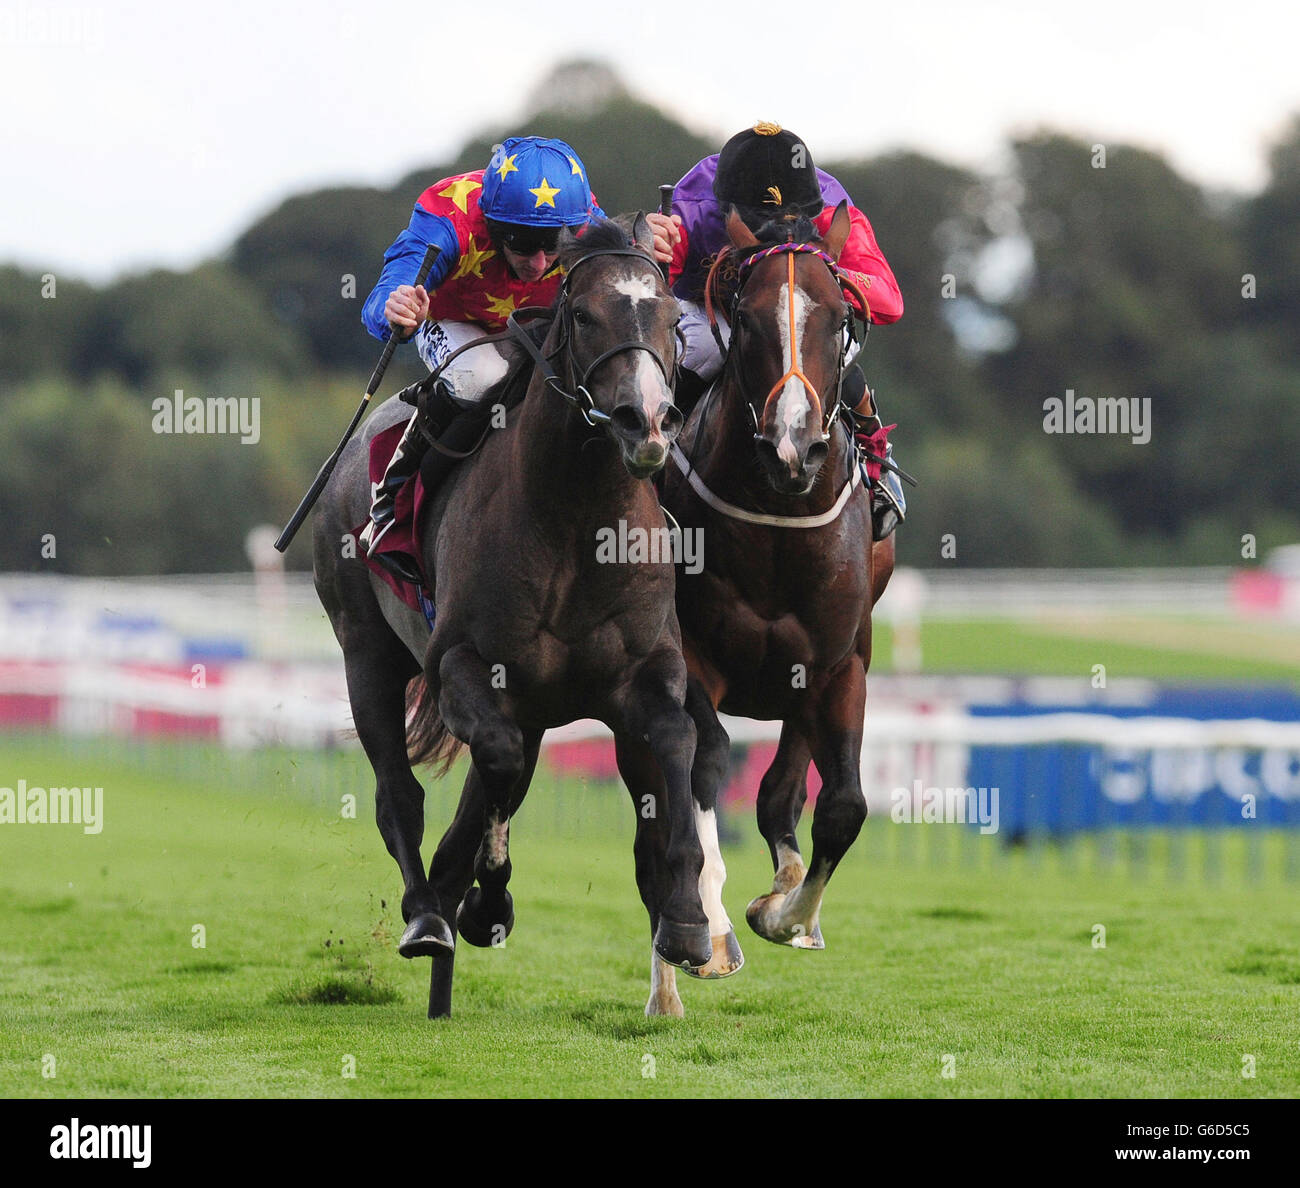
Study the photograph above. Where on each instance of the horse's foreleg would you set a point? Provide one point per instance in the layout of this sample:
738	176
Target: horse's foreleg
645	784
708	774
377	676
790	915
650	711
503	762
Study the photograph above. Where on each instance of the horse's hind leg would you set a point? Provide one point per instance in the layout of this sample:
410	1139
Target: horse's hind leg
792	918
377	675
486	915
781	797
452	871
477	713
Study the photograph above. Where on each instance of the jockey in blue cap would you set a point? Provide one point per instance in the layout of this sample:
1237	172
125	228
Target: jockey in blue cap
499	231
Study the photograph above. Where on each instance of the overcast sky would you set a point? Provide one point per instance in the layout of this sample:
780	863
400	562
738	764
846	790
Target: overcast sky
144	132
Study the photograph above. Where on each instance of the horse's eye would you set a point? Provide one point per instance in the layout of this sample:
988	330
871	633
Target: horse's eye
581	318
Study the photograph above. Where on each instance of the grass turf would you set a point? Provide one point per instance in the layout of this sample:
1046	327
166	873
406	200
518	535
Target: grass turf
1152	648
975	954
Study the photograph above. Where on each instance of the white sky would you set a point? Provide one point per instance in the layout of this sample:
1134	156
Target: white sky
143	132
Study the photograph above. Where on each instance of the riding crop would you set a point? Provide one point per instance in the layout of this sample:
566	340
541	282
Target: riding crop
666	209
431	255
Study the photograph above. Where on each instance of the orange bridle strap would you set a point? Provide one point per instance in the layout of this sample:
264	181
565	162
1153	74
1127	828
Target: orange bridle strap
794	371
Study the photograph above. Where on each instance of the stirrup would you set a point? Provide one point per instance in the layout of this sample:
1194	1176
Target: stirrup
888	504
401	566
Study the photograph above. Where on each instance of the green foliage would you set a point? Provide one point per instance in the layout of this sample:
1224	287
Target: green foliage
1134	290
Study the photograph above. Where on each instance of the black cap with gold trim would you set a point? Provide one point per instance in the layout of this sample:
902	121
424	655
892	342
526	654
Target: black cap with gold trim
768	166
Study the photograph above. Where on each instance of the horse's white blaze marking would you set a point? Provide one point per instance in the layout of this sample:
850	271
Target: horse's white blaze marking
639	288
714	872
653	390
793	405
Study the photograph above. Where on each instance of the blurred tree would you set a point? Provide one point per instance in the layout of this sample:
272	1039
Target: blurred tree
153	329
47	325
1134	278
1133	289
1271	234
313	261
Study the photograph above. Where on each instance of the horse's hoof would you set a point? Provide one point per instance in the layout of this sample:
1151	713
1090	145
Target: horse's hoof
687	946
483	929
427	936
810	940
764	916
726	960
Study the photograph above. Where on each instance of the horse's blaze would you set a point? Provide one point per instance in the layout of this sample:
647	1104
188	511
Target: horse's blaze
793	405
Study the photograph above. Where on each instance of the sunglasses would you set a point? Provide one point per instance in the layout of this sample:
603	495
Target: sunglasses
528	241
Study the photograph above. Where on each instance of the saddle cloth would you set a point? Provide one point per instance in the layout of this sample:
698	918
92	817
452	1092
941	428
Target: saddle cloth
404	535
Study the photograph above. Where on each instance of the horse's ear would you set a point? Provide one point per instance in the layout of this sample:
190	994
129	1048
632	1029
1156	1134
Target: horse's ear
839	230
740	235
642	233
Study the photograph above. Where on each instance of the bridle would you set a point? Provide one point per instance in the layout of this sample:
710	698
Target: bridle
794	371
579	394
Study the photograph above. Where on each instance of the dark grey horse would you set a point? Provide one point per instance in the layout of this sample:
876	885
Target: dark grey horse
535	627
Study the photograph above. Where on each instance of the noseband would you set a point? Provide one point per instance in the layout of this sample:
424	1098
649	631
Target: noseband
580	397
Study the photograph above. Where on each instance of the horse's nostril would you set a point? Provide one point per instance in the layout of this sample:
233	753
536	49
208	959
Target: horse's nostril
816	455
672	421
629	421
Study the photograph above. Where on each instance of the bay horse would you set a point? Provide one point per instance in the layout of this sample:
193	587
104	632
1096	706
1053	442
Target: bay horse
534	628
777	623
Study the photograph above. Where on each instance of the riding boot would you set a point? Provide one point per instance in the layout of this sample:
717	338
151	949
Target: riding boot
440	411
888	504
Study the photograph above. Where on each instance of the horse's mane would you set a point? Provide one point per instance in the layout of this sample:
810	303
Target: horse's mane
599	233
800	229
724	269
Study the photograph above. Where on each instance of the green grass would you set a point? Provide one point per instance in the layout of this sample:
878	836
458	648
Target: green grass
1151	647
939	944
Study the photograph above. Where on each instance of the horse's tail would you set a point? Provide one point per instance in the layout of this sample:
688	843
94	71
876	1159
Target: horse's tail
427	738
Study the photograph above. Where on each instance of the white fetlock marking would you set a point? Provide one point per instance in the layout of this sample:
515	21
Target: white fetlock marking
714	872
789	871
498	838
801	909
664	999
